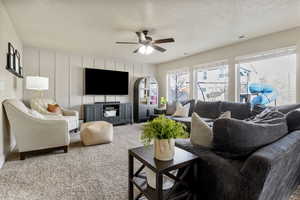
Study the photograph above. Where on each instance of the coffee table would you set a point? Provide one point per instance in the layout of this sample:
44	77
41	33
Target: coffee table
182	160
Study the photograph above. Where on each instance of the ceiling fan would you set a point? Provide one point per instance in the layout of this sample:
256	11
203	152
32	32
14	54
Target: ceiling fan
147	44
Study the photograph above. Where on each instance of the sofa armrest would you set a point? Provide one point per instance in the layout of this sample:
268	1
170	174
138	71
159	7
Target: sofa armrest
255	172
218	178
70	113
275	163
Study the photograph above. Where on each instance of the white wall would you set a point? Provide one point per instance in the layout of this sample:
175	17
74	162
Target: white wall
65	72
12	84
260	44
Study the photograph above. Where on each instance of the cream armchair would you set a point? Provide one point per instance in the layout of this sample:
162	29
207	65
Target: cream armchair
34	132
41	105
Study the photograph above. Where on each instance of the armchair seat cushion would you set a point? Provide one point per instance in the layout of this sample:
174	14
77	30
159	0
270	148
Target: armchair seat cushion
72	120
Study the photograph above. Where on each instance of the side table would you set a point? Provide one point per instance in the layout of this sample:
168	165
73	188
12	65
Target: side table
182	160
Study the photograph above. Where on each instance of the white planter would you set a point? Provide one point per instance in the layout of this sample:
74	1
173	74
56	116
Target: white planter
164	149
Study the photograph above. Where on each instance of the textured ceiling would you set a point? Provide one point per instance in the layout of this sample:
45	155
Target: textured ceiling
93	26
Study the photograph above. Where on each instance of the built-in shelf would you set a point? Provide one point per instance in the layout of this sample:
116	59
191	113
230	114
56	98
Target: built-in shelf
145	98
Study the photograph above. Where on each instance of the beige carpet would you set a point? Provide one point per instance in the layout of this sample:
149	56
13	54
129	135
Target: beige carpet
85	173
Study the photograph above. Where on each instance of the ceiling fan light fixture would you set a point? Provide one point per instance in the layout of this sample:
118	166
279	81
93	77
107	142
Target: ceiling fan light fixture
146	49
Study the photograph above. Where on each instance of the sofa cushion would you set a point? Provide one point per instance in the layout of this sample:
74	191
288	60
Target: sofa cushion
238	110
287	108
293	120
238	138
208	109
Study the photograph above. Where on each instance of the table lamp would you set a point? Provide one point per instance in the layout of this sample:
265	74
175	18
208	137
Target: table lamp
37	83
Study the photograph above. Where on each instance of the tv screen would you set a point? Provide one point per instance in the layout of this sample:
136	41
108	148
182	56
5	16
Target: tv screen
105	82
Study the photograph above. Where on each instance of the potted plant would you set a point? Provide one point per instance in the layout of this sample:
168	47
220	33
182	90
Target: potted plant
163	102
163	132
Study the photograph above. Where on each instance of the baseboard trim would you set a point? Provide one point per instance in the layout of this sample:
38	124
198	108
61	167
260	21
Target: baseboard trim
2	160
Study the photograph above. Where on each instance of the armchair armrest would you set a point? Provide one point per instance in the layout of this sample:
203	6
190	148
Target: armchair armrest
34	133
70	113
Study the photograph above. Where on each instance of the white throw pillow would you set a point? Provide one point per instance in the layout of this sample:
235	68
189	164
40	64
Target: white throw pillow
201	133
36	114
182	111
226	114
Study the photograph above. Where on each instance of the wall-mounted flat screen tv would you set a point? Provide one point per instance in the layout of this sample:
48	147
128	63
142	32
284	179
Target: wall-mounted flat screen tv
105	82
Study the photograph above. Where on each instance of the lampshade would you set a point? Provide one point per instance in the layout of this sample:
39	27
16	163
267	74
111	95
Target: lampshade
37	83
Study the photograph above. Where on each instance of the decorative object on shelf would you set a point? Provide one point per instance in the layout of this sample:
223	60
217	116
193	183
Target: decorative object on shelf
163	131
37	83
14	61
145	98
163	102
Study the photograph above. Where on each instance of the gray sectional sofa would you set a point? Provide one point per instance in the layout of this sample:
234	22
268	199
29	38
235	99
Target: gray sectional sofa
209	111
272	172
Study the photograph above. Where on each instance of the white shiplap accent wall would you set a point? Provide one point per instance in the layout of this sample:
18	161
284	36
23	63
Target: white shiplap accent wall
66	79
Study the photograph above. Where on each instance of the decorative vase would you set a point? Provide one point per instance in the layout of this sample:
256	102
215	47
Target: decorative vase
164	149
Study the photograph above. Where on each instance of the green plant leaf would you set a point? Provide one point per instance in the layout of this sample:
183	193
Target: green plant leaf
162	128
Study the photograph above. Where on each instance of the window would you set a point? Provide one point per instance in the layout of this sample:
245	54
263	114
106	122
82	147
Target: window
178	86
212	83
269	79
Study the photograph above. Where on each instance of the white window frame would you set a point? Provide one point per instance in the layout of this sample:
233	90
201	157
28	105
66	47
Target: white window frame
185	69
262	56
205	67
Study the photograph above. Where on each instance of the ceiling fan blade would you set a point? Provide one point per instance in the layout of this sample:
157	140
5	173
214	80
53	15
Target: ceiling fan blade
166	40
126	43
135	51
158	48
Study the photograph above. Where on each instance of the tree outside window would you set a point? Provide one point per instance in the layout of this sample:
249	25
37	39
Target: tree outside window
178	86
